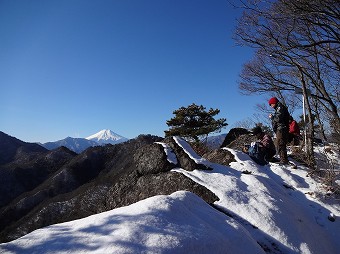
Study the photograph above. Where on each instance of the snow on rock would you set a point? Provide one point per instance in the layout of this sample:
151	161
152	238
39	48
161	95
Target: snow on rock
171	156
178	223
189	151
262	209
272	202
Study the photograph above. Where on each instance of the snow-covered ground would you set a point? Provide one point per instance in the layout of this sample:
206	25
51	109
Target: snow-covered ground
274	209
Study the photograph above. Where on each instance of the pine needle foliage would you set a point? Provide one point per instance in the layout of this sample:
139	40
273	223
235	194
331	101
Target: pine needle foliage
194	122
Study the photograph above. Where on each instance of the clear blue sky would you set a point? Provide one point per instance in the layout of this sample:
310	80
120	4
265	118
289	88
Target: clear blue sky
74	67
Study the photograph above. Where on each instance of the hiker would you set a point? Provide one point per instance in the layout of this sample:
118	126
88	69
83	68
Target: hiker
263	150
280	125
294	132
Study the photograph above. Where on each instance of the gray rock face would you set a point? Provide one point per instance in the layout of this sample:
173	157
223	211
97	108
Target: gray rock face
137	188
220	156
151	159
233	134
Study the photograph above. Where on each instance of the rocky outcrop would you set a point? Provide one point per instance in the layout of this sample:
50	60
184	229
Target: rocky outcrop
232	135
220	156
136	188
100	179
184	160
152	159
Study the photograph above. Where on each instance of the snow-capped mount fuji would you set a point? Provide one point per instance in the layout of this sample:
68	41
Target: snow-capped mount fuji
107	137
78	145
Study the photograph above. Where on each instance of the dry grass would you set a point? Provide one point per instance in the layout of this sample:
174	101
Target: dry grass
327	171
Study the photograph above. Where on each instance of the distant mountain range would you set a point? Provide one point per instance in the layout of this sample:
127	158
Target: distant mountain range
78	145
215	142
107	137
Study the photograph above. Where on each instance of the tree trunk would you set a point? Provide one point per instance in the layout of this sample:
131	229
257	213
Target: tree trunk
309	126
318	118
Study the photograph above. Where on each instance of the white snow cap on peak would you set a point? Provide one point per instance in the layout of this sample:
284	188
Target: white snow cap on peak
107	136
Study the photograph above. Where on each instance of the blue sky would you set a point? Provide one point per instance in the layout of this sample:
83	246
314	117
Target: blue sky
75	67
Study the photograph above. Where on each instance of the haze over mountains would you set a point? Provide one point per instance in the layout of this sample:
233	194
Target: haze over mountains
78	145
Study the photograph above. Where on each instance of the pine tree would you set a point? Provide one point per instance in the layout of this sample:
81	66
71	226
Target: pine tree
193	122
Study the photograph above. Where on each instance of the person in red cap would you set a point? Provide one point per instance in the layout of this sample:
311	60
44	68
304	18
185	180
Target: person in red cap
280	125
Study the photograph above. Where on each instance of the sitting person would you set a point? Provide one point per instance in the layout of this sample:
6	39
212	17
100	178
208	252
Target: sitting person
263	150
294	132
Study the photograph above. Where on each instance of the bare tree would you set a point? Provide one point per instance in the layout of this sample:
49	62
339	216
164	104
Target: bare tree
247	123
297	45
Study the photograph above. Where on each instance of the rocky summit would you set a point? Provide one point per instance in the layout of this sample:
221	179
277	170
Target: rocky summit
60	185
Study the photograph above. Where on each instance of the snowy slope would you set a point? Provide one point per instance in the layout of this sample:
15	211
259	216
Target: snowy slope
107	137
162	224
274	209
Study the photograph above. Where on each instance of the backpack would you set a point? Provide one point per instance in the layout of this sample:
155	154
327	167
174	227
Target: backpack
256	153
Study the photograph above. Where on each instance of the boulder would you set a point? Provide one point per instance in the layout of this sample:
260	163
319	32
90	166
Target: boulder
220	156
233	134
152	159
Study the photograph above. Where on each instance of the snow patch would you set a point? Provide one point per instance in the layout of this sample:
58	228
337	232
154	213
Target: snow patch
171	156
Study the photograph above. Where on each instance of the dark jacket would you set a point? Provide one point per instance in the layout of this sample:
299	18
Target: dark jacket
280	119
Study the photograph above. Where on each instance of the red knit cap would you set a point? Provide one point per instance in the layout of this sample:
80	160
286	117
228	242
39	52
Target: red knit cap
273	100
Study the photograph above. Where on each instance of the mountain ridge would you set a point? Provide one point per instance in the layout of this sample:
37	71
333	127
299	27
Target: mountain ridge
11	147
79	145
272	204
